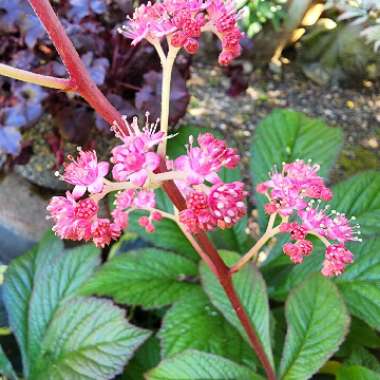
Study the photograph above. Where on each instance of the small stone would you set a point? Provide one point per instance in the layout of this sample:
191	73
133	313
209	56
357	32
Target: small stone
22	217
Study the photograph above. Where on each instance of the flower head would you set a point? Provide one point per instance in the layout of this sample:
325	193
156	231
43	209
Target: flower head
221	206
296	193
134	159
203	162
291	189
149	21
103	231
226	202
297	251
336	258
86	173
183	21
223	18
72	219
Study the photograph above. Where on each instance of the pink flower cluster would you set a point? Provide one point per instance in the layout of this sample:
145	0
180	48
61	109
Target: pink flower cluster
183	21
219	205
77	218
293	194
211	203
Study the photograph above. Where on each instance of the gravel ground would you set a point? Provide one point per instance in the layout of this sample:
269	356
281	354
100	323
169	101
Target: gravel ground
356	110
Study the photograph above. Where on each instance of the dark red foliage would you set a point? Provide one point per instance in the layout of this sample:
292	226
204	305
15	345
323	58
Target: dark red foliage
113	63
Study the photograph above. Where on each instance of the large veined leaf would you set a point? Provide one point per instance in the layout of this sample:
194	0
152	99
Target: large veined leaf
359	196
60	335
87	339
35	285
196	365
6	368
286	135
252	292
363	357
193	323
317	324
361	335
146	277
359	284
356	372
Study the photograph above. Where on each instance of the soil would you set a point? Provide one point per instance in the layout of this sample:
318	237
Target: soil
355	110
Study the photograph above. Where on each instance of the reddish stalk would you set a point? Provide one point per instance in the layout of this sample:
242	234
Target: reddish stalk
85	87
222	272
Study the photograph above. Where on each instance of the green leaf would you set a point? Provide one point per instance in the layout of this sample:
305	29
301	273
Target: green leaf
317	324
196	365
359	284
146	357
35	285
359	196
286	135
6	368
252	292
87	339
147	277
193	323
167	236
360	336
361	356
356	373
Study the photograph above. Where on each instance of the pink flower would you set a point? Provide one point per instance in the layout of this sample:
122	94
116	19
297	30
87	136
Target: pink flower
145	199
203	162
338	228
103	232
133	160
223	18
124	199
183	21
314	220
297	232
150	21
85	173
289	189
226	202
336	258
297	251
222	207
72	219
197	217
120	218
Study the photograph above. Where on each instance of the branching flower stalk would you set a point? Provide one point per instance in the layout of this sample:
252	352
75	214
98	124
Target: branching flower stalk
204	202
38	79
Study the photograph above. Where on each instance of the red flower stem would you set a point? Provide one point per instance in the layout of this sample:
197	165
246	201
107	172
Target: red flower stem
85	86
222	272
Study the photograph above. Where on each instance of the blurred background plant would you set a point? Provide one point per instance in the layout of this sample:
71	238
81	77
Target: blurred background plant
361	12
130	77
256	13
